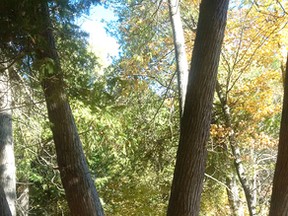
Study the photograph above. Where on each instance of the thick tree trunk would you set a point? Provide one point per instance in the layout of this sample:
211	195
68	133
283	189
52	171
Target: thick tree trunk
191	156
179	44
7	159
4	207
240	170
279	200
79	187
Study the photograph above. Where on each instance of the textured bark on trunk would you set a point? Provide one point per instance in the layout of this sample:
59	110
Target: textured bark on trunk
7	159
240	170
79	187
191	156
279	200
4	207
180	52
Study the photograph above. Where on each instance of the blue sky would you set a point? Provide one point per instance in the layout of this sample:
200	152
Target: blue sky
100	42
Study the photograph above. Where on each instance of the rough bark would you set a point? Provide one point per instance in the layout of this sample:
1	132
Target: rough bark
279	199
240	170
7	159
79	187
191	156
4	207
179	44
182	72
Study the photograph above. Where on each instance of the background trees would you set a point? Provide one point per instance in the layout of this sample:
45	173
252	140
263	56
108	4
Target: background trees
128	115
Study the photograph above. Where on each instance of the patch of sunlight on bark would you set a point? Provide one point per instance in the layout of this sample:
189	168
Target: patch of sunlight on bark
74	181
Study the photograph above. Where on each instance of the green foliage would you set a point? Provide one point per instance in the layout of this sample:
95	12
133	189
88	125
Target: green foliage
128	117
130	157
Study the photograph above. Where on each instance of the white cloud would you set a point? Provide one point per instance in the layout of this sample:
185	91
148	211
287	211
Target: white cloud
101	43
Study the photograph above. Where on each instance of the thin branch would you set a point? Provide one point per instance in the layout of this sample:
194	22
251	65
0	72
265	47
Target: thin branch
219	182
170	83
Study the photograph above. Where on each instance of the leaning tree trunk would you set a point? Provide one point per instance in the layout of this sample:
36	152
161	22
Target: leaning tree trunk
279	200
180	52
79	187
191	156
239	167
7	159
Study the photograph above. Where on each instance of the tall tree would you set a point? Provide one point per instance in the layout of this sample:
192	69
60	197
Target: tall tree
182	72
191	156
7	159
179	44
29	30
79	187
279	199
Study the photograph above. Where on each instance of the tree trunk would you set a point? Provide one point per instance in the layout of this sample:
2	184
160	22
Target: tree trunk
79	187
240	170
179	44
191	156
279	199
233	196
4	207
7	159
23	200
